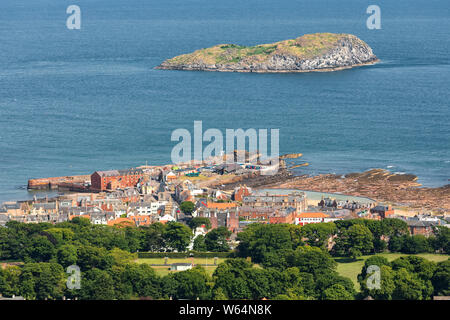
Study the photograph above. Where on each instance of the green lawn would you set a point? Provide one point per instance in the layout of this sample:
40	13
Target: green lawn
163	271
353	268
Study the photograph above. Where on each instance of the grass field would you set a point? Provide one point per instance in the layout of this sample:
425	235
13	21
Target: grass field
164	270
351	269
180	260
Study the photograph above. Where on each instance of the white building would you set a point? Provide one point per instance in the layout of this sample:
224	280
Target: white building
180	266
310	217
166	218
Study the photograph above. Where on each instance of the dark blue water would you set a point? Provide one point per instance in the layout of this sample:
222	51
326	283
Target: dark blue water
72	102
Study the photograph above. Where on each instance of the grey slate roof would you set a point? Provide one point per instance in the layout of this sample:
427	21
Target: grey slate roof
45	206
112	173
11	206
380	208
415	223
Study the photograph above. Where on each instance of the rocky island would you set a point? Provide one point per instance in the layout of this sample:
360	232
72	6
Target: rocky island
312	52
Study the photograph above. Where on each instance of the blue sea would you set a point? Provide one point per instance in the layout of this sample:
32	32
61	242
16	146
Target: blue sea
76	101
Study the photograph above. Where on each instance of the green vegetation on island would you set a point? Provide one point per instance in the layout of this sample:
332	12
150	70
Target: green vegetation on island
320	51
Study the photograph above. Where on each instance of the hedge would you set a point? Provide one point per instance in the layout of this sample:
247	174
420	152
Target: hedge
190	254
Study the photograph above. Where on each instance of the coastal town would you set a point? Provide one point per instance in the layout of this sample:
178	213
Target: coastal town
230	195
224	159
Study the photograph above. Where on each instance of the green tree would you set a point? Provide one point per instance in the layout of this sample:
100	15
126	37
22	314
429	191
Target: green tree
216	240
419	270
229	277
27	286
123	288
190	284
219	294
258	283
134	237
40	250
61	235
326	279
177	236
373	260
407	286
122	257
97	284
152	237
290	295
378	230
198	222
10	281
199	243
441	279
187	207
441	242
418	265
66	255
311	260
238	279
141	280
296	235
416	244
43	281
394	227
261	242
396	243
81	222
355	240
298	285
337	292
386	282
317	234
90	257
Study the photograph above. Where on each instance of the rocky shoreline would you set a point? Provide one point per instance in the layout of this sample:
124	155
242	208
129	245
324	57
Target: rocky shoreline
378	184
256	180
222	69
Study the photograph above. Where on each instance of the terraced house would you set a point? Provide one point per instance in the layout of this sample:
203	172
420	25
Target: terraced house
296	200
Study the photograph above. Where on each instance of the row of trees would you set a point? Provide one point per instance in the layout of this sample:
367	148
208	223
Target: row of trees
293	262
270	244
310	274
350	238
44	242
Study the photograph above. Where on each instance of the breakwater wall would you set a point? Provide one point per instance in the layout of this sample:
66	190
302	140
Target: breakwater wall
57	182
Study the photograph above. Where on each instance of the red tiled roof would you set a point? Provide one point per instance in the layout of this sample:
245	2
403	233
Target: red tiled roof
312	215
221	205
